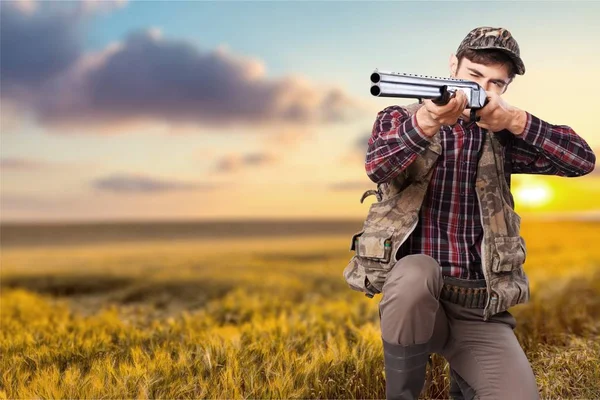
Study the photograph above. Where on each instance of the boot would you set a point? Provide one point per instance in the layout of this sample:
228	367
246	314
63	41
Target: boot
405	368
455	392
459	388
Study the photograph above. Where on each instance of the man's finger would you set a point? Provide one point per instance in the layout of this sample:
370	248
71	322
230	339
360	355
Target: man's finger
481	112
462	101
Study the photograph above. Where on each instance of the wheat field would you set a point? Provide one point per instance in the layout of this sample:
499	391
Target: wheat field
262	317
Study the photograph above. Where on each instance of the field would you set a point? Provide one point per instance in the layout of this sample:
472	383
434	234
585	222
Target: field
255	317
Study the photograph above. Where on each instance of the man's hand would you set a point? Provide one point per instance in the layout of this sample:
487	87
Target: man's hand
497	115
431	117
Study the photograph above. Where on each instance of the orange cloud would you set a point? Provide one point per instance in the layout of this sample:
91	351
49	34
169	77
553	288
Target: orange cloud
136	183
356	154
353	186
235	162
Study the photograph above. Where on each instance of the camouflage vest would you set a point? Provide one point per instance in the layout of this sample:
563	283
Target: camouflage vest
395	215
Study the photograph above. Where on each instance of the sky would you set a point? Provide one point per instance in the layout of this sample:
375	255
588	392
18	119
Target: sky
181	110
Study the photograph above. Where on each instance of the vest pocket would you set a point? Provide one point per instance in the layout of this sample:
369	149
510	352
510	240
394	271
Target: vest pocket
373	243
358	278
373	246
510	253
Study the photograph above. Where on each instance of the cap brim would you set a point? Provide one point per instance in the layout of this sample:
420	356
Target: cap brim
517	60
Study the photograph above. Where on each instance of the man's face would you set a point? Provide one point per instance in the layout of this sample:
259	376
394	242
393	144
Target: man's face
492	78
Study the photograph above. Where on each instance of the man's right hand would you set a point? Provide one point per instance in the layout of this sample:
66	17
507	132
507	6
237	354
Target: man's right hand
431	117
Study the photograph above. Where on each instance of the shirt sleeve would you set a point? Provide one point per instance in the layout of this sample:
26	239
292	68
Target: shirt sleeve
547	149
395	142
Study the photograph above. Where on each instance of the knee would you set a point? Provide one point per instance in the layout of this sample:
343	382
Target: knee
416	268
419	272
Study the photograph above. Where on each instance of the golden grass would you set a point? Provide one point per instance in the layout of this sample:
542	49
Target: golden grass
257	318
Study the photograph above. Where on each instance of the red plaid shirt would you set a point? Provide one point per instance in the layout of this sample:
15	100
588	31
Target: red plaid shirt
449	228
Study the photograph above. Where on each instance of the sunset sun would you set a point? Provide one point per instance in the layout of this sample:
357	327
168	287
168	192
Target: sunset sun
533	195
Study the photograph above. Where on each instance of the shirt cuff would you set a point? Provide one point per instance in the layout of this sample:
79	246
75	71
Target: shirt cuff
414	138
536	130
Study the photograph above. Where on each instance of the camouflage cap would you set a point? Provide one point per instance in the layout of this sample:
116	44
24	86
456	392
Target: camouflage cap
487	37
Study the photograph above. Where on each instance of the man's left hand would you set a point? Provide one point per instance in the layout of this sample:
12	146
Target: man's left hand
497	115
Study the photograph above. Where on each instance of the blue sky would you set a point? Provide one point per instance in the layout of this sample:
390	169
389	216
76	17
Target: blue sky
107	135
340	40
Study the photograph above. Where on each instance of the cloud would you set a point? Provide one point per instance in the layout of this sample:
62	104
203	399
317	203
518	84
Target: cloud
30	202
39	41
362	142
288	137
235	162
146	78
27	7
347	186
21	163
38	165
35	46
356	154
12	116
99	6
132	183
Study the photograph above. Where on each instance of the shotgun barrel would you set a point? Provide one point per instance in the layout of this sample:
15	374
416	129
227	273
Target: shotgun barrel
439	90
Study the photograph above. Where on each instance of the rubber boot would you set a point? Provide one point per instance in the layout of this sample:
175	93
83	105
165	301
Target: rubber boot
455	392
459	388
405	368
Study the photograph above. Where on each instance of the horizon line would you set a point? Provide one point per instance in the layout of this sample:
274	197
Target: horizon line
590	215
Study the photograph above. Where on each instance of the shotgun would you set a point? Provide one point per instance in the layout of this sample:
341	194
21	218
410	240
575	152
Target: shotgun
439	90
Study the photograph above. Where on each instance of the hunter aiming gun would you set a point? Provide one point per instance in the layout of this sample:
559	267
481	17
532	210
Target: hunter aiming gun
439	90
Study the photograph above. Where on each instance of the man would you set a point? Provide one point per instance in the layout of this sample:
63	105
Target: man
418	313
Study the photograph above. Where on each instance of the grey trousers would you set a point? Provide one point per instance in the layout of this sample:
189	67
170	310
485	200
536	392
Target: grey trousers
486	355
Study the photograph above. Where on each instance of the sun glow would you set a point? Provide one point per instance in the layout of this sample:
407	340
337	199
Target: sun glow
534	195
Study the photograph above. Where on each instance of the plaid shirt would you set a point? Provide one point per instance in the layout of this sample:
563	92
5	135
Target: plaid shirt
449	228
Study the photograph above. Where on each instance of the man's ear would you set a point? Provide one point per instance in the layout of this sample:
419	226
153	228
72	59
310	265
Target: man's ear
453	65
